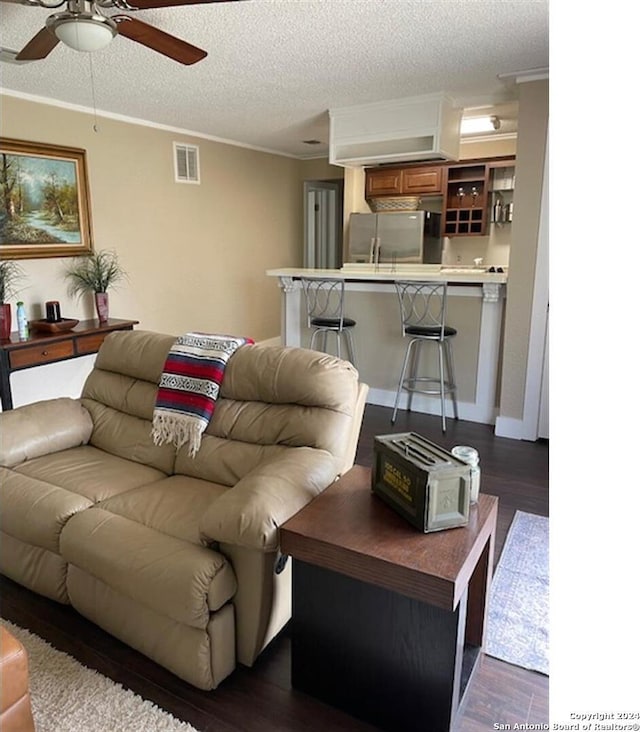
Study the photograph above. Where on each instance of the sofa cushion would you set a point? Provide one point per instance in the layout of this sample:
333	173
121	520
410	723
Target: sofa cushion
173	577
288	396
35	511
89	472
120	395
203	657
128	437
41	570
136	353
172	506
225	461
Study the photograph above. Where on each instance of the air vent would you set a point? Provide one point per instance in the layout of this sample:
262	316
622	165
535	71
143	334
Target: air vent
186	159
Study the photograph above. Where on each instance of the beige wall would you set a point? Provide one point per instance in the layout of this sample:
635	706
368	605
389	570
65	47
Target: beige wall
196	255
532	140
320	169
487	149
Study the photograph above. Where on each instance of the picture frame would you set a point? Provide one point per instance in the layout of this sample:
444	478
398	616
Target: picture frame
44	201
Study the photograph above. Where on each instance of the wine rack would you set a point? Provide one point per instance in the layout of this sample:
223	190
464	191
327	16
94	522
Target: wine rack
466	201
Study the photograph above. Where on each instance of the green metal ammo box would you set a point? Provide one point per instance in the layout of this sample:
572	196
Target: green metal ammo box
420	480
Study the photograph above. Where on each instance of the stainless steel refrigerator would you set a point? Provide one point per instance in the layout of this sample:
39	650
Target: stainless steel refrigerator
397	237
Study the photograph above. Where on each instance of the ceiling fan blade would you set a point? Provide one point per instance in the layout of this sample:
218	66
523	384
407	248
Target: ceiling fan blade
40	46
147	4
158	40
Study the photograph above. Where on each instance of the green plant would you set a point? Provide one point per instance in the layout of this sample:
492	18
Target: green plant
95	273
11	275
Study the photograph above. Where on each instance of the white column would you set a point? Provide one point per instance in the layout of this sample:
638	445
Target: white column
291	327
489	351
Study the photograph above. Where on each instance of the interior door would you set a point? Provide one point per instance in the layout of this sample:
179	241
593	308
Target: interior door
323	224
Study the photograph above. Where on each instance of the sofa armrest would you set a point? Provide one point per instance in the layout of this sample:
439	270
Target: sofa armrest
250	513
42	428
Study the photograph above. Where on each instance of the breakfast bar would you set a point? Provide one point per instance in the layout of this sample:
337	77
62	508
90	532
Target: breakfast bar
474	308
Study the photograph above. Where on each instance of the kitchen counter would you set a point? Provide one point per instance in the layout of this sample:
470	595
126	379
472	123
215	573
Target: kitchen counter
474	307
389	273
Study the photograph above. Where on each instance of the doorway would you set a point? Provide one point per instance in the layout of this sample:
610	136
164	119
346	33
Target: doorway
323	213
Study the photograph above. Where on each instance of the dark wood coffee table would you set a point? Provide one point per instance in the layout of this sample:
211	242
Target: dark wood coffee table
388	622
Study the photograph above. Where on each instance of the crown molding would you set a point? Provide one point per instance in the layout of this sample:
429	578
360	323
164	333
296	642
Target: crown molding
521	77
136	121
489	137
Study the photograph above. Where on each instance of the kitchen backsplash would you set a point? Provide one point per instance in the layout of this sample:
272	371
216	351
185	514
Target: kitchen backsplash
493	249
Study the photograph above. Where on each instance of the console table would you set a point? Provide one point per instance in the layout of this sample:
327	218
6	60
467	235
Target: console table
388	622
42	348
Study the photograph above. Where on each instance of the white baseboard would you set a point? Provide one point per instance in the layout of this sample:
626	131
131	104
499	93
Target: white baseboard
504	426
509	427
431	405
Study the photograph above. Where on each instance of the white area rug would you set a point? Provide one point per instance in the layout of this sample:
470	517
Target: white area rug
68	697
518	622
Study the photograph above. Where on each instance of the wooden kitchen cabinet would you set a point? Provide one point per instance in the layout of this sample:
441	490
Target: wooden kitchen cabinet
424	180
383	182
468	189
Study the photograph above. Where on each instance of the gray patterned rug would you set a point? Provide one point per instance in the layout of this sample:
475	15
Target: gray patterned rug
518	622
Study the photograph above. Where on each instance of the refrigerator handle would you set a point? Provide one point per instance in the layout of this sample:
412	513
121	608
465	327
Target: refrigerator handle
372	250
377	250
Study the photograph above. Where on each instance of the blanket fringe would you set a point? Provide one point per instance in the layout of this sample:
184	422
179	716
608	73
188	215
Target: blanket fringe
178	430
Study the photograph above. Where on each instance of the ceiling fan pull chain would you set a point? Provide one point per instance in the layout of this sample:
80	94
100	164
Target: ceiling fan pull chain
93	94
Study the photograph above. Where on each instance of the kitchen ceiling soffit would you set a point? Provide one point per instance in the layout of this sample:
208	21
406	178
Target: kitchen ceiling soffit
424	127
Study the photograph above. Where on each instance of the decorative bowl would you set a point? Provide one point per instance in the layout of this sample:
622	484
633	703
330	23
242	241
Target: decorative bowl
45	326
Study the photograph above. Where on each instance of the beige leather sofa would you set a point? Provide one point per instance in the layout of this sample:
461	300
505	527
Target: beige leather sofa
176	556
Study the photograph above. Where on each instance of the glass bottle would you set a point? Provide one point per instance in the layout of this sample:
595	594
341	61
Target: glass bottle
470	456
23	325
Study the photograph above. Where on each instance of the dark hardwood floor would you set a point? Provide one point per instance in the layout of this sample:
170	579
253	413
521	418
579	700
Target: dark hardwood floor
261	698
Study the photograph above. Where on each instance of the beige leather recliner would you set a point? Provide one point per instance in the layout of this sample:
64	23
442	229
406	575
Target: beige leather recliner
176	556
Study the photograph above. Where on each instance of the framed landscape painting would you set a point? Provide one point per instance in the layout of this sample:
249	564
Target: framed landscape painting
44	201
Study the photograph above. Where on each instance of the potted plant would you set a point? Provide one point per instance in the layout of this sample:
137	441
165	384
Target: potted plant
11	274
95	273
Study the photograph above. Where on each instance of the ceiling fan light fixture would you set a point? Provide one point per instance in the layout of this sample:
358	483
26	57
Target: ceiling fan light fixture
85	33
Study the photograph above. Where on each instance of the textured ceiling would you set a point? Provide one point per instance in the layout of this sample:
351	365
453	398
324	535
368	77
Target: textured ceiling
276	66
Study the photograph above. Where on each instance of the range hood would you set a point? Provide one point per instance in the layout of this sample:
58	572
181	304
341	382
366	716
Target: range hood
425	127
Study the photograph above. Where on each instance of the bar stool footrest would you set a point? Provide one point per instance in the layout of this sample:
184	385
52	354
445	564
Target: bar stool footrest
410	385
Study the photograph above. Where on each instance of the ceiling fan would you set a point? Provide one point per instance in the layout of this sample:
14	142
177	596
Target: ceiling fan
84	27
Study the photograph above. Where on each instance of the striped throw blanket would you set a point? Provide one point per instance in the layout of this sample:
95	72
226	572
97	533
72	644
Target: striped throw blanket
189	387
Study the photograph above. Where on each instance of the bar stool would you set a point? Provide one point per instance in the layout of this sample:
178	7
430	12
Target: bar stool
325	313
423	312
